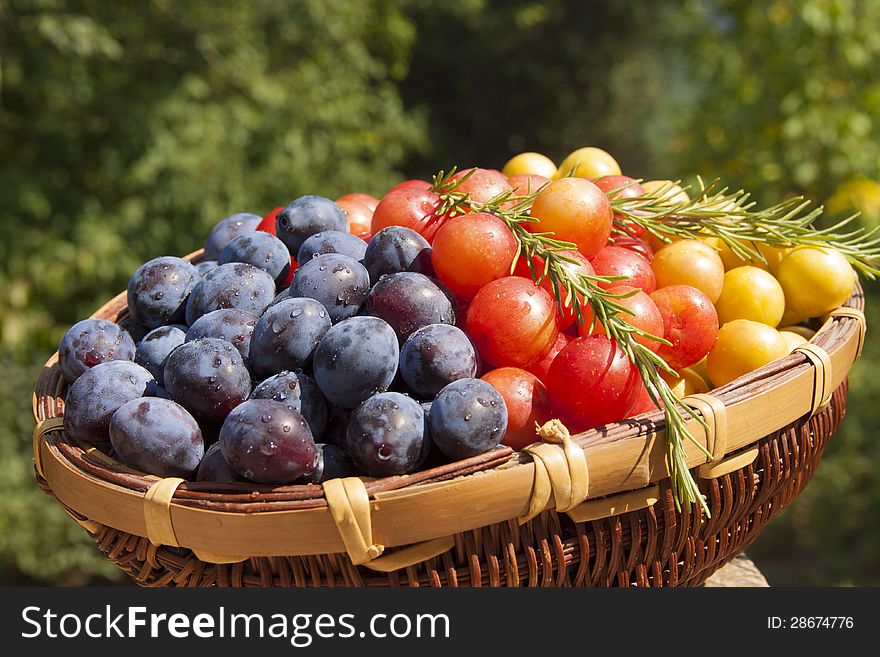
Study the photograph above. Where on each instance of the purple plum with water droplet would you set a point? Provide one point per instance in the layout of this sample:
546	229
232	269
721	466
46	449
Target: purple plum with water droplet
91	342
261	250
408	301
386	435
333	463
158	291
157	436
298	391
306	216
397	249
227	230
233	285
468	417
267	442
208	377
331	241
153	351
434	356
356	359
339	283
97	395
285	337
230	324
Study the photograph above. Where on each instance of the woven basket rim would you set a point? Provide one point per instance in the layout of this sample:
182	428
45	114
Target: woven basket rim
836	336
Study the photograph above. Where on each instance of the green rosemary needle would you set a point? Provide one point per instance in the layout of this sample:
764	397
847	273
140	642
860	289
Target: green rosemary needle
568	288
737	221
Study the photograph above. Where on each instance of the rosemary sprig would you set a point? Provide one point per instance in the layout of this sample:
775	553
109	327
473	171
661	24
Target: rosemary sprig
567	286
712	212
735	219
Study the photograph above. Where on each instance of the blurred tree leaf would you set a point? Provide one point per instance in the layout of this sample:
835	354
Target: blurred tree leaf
783	96
127	130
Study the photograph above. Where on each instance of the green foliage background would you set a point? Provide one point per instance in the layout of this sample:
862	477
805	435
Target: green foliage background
127	129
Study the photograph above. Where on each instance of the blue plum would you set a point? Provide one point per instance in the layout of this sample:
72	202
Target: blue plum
214	467
230	324
227	230
208	378
158	391
261	250
356	359
435	356
331	241
157	436
298	391
314	405
397	249
338	282
467	418
205	266
285	337
333	462
91	342
337	425
233	285
429	443
153	351
306	216
267	442
159	289
282	387
408	301
135	329
97	395
281	296
386	435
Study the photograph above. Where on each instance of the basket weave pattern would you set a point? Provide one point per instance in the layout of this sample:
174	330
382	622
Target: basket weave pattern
656	546
781	418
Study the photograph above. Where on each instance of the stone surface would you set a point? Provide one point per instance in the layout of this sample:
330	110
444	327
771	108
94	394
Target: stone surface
741	571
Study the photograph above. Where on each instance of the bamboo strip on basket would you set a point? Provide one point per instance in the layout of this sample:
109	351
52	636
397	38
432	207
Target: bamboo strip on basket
621	457
159	567
461	504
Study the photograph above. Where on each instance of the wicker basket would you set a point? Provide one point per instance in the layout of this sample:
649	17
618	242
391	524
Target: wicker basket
595	510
